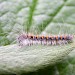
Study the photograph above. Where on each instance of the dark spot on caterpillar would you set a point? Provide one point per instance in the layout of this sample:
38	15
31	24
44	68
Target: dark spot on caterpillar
31	37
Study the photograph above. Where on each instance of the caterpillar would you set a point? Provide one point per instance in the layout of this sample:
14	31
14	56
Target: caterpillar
25	39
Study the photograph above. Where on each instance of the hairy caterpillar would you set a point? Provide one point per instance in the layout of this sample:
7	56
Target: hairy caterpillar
25	39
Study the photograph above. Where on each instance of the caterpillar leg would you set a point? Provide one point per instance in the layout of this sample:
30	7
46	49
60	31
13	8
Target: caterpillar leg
53	42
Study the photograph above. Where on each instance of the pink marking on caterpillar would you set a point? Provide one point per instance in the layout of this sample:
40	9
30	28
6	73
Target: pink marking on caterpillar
25	39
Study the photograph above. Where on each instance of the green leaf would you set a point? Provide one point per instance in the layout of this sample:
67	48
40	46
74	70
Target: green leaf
37	17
